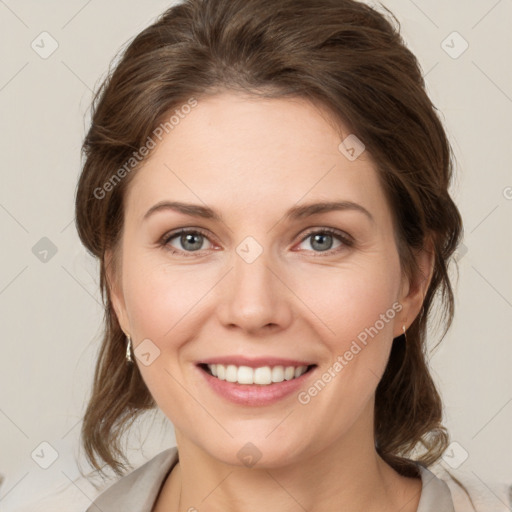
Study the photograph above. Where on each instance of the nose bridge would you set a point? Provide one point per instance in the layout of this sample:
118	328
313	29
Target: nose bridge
253	295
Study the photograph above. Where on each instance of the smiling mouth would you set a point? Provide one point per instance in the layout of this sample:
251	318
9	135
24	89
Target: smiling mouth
262	376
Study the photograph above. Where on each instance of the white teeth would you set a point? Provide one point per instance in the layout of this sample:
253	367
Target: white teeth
245	375
277	374
289	373
263	375
231	373
299	371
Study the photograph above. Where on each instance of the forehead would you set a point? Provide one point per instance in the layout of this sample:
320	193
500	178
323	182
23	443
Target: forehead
238	152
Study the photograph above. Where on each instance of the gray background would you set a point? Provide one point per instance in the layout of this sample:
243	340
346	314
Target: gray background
50	305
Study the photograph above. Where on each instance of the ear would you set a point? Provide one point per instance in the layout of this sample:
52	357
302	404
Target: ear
113	278
414	289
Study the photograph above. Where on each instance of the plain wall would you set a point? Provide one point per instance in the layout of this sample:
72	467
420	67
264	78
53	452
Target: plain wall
51	310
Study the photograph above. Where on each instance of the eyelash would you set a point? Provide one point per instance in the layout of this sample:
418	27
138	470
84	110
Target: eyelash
346	240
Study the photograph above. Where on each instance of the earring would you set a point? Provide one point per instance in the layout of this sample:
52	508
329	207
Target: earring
405	336
128	350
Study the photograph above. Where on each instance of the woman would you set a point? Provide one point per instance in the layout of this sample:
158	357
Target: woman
266	189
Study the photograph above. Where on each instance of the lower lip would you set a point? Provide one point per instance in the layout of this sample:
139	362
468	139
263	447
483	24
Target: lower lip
255	394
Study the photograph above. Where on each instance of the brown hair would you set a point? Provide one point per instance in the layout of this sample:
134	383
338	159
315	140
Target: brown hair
348	57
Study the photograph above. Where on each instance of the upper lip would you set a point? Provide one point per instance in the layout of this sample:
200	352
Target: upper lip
256	362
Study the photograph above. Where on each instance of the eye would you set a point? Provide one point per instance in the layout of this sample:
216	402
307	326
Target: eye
322	240
186	240
189	241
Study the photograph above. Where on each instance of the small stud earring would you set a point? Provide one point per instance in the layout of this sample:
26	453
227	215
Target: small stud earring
128	350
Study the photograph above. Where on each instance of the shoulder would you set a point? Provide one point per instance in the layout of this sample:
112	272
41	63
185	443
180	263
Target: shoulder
481	496
137	490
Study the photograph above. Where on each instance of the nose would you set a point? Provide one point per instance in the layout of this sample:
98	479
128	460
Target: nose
254	297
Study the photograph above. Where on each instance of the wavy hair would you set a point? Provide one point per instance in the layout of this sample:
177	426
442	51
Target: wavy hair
350	58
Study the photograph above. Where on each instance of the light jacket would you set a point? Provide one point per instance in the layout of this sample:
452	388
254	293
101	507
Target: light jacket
138	491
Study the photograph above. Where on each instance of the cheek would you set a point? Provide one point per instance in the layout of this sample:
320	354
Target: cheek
163	304
352	299
357	307
160	299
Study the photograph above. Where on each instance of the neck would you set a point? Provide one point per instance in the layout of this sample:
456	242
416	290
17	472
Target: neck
348	472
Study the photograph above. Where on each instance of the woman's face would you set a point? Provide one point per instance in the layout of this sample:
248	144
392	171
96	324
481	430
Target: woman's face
261	279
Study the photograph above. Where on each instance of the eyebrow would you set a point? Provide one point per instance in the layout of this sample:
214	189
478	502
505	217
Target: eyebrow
297	212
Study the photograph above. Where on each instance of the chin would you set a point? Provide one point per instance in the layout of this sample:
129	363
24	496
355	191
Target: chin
257	452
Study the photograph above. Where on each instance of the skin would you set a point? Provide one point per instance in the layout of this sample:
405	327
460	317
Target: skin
251	160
